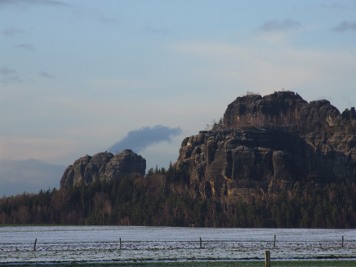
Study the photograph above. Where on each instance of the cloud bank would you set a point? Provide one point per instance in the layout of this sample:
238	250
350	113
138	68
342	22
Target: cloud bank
139	139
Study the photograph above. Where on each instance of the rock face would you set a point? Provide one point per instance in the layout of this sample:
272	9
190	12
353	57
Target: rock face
267	144
289	111
103	167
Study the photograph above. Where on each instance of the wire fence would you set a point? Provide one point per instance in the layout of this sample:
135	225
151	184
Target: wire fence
236	244
201	243
201	249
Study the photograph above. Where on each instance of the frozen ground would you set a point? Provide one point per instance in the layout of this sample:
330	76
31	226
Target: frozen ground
102	243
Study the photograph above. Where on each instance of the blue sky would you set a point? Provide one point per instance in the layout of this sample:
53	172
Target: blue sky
77	76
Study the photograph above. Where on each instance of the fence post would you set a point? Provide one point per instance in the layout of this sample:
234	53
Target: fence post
34	245
274	241
267	258
342	241
120	244
200	241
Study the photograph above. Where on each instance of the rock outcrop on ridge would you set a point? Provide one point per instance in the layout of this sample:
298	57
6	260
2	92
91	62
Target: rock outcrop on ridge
263	146
103	167
266	145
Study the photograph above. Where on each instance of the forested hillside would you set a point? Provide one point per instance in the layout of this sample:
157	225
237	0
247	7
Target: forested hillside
162	198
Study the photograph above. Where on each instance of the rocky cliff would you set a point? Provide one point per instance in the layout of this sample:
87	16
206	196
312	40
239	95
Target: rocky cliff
103	167
266	145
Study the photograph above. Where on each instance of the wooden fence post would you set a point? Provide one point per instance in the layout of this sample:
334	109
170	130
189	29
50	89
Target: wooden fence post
267	258
342	241
200	241
120	244
34	245
274	241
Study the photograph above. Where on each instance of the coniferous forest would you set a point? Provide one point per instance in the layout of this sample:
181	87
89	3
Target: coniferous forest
160	198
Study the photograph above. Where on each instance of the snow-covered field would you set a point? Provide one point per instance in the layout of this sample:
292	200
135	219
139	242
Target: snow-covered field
102	243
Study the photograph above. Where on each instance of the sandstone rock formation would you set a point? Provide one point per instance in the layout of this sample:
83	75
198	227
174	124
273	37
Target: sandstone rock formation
267	144
103	167
289	111
262	147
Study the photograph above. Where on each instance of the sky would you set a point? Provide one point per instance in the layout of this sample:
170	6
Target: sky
79	76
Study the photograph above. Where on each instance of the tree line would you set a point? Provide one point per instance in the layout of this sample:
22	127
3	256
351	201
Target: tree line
163	198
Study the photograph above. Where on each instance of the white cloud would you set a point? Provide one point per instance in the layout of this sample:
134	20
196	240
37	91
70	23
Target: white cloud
140	139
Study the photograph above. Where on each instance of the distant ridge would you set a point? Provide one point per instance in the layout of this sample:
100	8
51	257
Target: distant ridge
28	176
